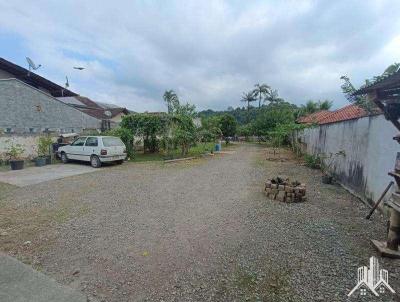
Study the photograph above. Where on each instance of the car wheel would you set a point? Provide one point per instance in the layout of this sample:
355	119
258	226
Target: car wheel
119	162
64	158
95	161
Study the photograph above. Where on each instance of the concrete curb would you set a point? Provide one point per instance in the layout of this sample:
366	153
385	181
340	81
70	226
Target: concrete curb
20	283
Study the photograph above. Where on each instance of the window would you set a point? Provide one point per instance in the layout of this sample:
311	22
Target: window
112	141
363	292
31	130
8	130
382	289
80	141
92	142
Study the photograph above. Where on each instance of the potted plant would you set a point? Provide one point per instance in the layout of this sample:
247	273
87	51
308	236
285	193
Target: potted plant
14	153
44	145
326	163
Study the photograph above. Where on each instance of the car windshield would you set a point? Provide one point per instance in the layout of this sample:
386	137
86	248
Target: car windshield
112	141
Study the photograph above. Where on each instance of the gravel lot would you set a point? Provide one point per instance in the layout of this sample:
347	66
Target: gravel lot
194	231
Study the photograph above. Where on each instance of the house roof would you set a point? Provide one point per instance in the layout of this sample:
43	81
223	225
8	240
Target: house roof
104	114
92	108
315	117
391	81
33	79
348	112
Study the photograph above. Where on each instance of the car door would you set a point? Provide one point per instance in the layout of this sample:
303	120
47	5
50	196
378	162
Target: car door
75	151
91	147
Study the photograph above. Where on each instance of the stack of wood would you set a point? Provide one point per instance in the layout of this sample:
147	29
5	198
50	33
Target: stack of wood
285	190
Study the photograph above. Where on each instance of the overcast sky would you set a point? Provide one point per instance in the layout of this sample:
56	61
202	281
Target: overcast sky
209	52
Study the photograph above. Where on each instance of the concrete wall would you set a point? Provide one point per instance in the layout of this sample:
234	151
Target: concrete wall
26	109
370	152
27	141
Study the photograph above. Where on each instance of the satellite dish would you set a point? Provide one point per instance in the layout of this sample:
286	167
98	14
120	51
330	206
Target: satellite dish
66	83
108	113
79	68
32	65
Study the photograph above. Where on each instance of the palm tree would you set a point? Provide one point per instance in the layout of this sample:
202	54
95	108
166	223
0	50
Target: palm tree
171	98
325	105
261	91
273	97
248	98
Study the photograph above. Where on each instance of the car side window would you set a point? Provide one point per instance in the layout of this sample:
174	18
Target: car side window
92	142
79	141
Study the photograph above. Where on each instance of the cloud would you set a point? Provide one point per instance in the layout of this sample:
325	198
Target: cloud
209	52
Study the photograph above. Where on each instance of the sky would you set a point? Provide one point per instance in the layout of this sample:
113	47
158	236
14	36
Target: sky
208	52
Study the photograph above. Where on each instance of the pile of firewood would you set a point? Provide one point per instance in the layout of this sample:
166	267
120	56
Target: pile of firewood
285	190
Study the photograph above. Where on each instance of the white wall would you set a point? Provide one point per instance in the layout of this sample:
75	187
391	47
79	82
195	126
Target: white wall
370	152
28	142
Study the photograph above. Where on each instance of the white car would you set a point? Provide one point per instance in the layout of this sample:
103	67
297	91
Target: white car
94	149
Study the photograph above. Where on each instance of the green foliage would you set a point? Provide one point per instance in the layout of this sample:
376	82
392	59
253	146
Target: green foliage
14	151
245	130
184	132
314	106
262	91
282	133
271	116
210	129
148	126
44	144
228	125
312	161
126	136
171	99
361	100
248	98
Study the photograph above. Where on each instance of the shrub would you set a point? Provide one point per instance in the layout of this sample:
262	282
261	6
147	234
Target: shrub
44	145
312	161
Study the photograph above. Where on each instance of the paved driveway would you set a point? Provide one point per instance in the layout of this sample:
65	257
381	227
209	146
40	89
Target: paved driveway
194	231
36	175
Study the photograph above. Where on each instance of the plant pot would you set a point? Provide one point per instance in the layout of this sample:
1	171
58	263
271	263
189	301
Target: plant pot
48	160
17	164
40	161
327	179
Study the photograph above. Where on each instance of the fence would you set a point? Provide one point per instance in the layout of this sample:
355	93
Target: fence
370	152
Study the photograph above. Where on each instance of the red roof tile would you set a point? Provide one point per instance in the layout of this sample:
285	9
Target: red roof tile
343	114
315	117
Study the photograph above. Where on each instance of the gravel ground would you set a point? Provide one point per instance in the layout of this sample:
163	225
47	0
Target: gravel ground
195	231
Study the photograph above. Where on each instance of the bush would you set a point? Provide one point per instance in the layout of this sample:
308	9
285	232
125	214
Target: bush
44	145
126	136
313	161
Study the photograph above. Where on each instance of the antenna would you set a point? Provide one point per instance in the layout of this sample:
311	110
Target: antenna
32	65
66	83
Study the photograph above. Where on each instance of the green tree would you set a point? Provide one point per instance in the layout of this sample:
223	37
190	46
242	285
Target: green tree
360	100
148	126
325	105
184	132
228	125
271	116
171	99
248	98
261	91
